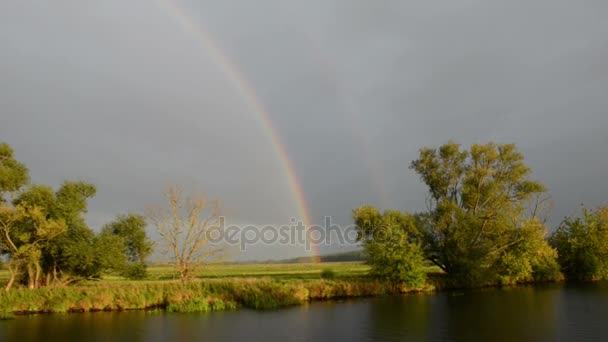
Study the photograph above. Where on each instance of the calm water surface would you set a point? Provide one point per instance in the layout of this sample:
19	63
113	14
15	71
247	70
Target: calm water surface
541	313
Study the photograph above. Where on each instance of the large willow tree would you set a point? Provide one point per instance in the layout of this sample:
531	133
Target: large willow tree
483	223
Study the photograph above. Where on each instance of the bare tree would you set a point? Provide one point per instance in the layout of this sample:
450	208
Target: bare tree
184	226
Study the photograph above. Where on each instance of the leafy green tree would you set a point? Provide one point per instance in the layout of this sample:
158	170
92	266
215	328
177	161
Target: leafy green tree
390	242
24	228
13	174
45	236
71	254
111	257
132	229
23	232
484	223
582	245
79	252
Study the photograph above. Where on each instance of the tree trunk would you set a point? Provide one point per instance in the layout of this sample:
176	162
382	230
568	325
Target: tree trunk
11	280
30	276
37	275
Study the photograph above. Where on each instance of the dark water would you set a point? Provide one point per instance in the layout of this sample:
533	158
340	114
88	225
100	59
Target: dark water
546	313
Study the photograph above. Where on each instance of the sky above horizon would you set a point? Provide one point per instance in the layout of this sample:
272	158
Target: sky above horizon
128	96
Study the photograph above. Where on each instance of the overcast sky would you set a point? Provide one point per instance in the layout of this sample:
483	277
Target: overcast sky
120	94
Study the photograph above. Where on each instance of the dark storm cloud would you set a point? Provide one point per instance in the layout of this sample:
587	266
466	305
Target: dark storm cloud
118	93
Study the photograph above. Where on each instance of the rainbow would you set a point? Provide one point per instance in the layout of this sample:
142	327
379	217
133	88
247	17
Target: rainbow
248	92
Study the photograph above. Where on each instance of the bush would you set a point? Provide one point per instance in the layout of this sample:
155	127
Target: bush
531	259
582	245
397	262
396	259
389	240
135	271
328	273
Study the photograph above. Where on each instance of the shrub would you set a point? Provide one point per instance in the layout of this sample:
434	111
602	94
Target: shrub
328	273
397	262
389	239
135	271
582	245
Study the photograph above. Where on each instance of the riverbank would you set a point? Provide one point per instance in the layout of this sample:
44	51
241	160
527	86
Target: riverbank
198	296
218	287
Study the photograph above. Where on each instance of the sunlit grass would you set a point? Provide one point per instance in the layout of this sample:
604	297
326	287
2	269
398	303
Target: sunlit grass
217	287
342	270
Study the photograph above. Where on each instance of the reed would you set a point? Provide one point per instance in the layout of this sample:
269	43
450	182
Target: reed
198	296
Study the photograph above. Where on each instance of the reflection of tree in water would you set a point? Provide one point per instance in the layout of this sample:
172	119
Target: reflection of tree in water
400	317
509	314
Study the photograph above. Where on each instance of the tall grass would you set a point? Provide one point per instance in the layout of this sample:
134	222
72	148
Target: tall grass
200	296
219	287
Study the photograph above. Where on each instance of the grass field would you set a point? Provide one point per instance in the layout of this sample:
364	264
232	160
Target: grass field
273	271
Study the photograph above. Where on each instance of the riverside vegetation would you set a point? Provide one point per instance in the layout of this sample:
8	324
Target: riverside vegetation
218	287
485	226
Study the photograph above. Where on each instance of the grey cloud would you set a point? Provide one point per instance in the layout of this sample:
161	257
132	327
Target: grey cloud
118	93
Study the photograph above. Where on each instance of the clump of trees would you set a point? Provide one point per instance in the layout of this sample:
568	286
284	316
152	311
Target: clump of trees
45	238
582	245
484	224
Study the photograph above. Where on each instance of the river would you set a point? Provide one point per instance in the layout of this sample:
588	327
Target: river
531	313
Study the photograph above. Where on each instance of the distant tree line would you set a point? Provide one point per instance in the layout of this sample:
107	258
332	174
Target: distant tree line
44	236
485	225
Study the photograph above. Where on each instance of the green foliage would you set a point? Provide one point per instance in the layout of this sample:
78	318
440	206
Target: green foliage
582	245
109	251
328	273
71	253
13	174
529	259
201	305
132	228
390	242
72	200
135	271
478	229
24	230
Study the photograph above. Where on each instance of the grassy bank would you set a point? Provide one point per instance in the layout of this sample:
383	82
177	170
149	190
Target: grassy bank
219	287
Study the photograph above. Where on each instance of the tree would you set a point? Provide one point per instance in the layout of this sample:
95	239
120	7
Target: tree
582	245
132	230
484	221
71	254
44	234
13	174
23	231
390	242
184	227
79	252
24	228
